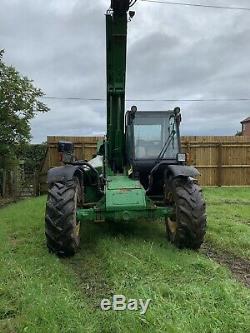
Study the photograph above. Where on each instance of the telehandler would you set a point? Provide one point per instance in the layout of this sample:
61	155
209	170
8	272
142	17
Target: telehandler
139	171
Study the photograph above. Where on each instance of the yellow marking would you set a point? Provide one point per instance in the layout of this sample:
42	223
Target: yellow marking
172	226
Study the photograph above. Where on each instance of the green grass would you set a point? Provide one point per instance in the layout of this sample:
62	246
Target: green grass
228	211
190	293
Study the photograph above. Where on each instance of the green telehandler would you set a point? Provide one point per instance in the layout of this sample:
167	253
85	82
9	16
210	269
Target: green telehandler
139	171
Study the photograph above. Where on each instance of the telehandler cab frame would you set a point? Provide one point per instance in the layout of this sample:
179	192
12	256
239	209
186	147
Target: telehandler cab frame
139	171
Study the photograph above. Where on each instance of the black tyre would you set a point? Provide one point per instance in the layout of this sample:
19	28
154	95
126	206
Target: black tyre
62	229
187	227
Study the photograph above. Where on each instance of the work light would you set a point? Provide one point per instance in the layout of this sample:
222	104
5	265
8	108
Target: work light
181	157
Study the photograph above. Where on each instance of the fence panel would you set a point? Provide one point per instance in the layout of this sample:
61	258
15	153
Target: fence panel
16	183
221	160
84	149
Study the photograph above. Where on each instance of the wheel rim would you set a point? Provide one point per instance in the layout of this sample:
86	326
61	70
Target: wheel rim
77	223
172	226
171	223
77	229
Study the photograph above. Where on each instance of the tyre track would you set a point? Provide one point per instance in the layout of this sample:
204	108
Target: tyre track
239	267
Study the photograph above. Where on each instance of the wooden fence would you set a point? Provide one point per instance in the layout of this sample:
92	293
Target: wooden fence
221	160
15	183
84	148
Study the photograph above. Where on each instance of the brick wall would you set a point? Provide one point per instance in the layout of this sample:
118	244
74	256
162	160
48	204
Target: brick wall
246	128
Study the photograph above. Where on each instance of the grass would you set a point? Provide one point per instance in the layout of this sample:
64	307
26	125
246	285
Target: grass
228	212
189	292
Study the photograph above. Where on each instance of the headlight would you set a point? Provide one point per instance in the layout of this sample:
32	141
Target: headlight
181	157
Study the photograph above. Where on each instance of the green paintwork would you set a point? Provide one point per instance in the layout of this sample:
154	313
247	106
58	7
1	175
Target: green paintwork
124	199
101	215
116	45
120	181
123	193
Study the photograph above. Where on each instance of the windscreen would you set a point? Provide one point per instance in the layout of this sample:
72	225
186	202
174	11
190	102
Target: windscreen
152	133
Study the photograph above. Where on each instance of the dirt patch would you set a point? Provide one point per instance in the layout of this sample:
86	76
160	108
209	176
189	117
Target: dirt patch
228	202
244	222
91	267
238	266
16	241
92	279
6	202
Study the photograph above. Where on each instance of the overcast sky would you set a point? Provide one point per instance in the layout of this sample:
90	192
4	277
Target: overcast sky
174	52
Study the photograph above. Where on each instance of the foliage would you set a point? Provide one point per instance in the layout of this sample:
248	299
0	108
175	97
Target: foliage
32	155
19	103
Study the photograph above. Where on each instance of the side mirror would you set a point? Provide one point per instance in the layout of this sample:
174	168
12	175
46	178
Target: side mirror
66	150
177	112
131	114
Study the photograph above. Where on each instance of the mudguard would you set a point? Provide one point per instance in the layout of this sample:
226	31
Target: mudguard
63	174
183	170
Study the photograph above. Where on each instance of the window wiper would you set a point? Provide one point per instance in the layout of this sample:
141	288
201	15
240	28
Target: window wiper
165	147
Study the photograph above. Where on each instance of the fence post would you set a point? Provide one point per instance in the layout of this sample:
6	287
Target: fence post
219	169
4	183
35	184
14	184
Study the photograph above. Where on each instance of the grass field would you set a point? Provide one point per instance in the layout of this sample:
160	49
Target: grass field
190	292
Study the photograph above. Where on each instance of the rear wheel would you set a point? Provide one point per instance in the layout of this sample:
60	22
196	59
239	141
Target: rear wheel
186	228
62	229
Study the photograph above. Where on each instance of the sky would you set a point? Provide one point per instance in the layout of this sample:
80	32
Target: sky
174	52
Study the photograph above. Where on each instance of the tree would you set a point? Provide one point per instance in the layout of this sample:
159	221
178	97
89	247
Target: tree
32	155
19	103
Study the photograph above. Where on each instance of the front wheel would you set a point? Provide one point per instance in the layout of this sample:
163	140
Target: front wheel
62	229
186	228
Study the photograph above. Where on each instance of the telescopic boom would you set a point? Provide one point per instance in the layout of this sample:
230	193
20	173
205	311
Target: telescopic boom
116	44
